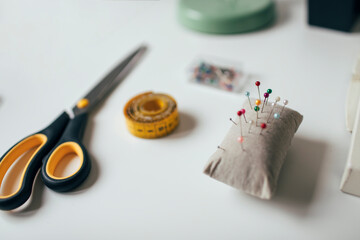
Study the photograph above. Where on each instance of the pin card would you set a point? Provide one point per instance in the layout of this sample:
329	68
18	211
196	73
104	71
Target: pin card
219	74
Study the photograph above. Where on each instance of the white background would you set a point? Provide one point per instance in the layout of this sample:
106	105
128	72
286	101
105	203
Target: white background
53	52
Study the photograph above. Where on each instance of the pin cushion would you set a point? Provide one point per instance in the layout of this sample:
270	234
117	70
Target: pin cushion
226	17
252	153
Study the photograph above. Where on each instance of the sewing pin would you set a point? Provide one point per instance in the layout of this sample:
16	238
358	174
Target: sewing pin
241	133
251	123
221	148
285	103
276	115
241	140
257	83
266	96
243	113
269	91
233	121
263	126
247	94
257	103
256	108
272	104
277	99
239	113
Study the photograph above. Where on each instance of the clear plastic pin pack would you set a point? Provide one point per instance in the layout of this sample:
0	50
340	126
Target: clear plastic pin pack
217	73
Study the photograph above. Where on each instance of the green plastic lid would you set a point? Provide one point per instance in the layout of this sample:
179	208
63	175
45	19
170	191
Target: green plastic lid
226	16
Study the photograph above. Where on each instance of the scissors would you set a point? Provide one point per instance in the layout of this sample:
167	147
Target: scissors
60	138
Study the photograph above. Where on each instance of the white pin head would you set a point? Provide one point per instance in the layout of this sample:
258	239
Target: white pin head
277	99
272	109
285	103
251	122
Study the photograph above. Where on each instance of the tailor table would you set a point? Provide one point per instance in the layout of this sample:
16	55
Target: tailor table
52	52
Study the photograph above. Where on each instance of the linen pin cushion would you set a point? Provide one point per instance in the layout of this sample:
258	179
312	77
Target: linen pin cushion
252	153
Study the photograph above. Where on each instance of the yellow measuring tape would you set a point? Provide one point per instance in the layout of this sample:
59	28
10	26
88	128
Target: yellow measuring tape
151	115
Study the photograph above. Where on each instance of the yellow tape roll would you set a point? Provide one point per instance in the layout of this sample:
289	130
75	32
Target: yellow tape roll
151	115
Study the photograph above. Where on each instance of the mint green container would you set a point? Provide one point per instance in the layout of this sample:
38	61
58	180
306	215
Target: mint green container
226	16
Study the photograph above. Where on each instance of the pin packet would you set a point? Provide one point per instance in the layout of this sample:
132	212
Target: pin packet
217	73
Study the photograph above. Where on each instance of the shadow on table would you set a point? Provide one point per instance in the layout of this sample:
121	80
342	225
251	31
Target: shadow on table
298	177
187	123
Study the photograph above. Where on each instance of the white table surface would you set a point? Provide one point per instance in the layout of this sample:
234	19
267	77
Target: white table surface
52	52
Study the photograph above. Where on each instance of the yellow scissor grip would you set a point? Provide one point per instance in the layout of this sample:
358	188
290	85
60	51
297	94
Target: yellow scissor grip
59	153
34	141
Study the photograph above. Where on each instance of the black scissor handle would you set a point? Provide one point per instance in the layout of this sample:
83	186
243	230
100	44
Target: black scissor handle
43	142
69	143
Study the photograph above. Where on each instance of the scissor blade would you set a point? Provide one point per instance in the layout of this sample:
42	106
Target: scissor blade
109	82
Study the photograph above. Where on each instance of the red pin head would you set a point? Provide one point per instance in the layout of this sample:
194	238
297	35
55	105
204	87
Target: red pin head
266	95
263	126
257	83
243	113
239	113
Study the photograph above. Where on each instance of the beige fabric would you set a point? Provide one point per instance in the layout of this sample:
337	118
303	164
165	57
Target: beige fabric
256	169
